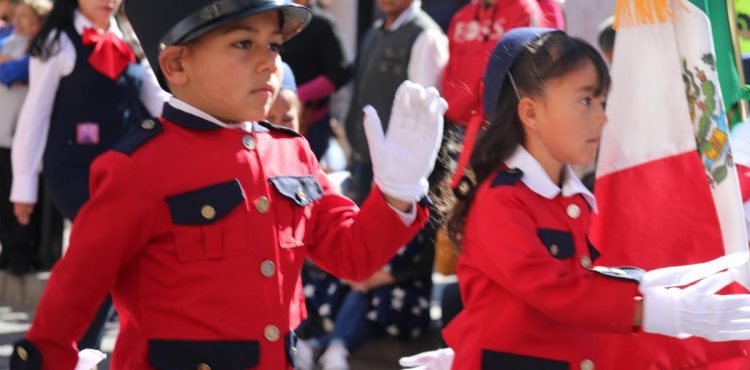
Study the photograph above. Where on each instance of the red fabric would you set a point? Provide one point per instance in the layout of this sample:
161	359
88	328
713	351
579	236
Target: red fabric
111	55
743	175
553	13
521	299
124	241
468	147
683	230
472	36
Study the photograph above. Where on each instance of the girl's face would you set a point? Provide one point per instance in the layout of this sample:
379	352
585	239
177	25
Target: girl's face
233	73
285	110
25	20
570	117
99	11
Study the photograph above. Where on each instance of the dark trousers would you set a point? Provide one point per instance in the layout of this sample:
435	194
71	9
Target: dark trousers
20	244
69	190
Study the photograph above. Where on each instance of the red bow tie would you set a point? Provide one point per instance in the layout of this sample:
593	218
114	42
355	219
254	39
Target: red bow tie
111	54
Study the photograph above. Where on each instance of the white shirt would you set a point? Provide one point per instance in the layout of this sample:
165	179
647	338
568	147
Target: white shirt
407	218
536	178
429	54
33	123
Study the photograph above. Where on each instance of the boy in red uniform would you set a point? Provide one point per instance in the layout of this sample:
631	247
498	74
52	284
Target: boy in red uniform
199	221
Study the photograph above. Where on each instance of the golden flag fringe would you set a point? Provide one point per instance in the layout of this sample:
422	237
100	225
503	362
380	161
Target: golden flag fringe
630	13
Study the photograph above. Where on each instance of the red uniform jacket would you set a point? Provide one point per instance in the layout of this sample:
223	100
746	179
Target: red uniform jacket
200	233
472	35
531	300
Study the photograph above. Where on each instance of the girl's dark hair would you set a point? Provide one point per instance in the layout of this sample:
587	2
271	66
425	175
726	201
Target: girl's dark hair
554	55
61	16
47	42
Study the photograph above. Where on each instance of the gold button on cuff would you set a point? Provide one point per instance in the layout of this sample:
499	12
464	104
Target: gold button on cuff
148	124
586	261
22	354
554	249
262	205
301	195
587	365
573	211
203	366
267	268
208	212
248	142
271	333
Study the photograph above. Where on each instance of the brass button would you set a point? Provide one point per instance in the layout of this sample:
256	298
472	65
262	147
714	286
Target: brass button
574	211
267	268
586	261
301	195
208	212
22	354
271	332
587	365
203	366
554	249
248	142
148	124
262	204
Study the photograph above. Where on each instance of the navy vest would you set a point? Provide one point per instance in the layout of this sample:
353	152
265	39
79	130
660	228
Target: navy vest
85	98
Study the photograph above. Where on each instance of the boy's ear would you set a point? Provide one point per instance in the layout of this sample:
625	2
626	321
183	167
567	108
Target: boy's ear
527	112
171	63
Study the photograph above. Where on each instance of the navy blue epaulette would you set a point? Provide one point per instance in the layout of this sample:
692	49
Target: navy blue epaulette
138	135
265	126
506	177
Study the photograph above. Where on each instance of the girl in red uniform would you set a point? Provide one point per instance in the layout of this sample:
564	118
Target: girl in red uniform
532	295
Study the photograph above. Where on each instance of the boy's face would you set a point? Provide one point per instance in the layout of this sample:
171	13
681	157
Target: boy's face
25	20
285	110
233	73
393	8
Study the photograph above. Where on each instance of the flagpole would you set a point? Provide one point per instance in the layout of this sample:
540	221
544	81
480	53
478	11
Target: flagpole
732	18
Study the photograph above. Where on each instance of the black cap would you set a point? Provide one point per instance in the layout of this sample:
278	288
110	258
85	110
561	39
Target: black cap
162	23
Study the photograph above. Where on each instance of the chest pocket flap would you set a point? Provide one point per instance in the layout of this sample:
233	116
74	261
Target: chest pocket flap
559	243
207	205
181	355
301	190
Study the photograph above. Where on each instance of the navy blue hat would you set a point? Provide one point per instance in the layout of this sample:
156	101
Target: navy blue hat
288	82
162	23
503	57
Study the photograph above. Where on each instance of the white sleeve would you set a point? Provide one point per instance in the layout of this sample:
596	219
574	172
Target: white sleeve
153	96
407	218
34	120
429	56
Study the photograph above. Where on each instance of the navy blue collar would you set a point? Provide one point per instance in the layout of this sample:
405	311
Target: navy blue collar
186	119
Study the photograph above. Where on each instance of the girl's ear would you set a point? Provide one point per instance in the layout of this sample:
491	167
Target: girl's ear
171	63
527	112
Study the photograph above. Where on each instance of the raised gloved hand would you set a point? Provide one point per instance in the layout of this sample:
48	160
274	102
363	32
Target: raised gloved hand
403	157
696	310
441	359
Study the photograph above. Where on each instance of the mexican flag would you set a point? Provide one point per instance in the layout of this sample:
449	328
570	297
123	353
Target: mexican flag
666	186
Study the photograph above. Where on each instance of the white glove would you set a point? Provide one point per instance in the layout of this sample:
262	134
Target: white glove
441	359
89	358
403	157
695	310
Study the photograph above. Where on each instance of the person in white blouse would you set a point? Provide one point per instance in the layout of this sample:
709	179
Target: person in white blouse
86	89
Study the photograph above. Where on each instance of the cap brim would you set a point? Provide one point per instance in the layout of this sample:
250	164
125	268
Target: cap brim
296	17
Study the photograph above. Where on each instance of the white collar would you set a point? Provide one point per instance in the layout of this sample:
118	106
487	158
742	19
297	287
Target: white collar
539	182
187	108
406	16
80	22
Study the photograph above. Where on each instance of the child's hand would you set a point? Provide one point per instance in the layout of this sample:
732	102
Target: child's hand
403	157
23	212
441	359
